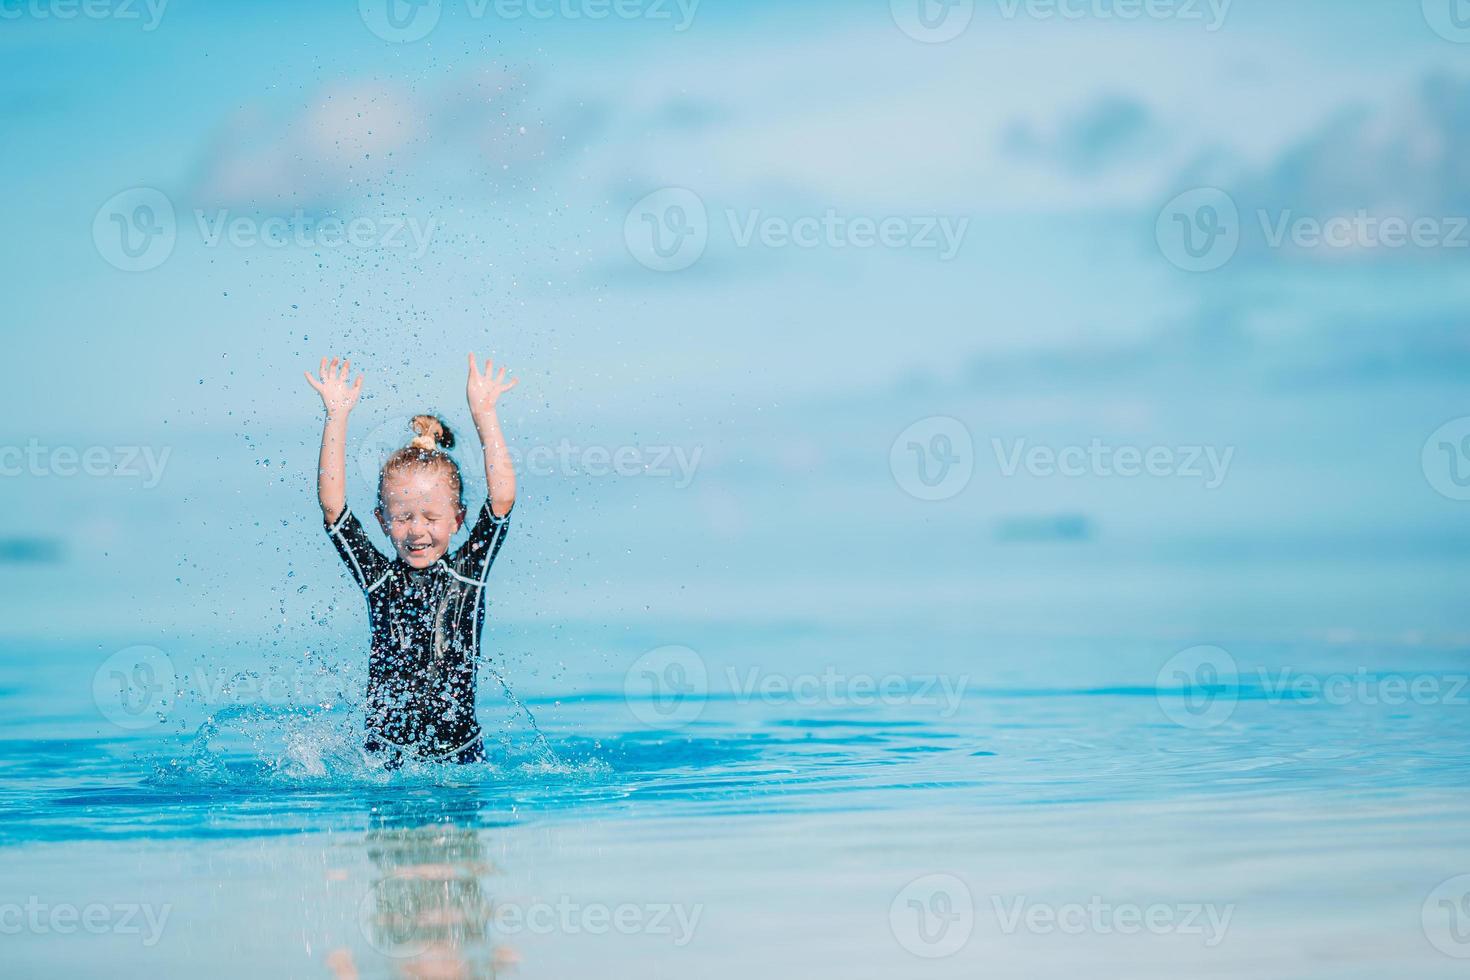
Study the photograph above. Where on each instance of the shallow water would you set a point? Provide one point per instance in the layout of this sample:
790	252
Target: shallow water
1031	808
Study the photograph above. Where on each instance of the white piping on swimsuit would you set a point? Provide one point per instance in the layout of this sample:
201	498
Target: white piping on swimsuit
336	530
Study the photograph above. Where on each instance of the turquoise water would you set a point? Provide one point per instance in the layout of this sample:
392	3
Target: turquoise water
807	800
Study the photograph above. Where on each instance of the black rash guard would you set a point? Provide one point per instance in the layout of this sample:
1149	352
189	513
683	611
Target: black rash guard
425	640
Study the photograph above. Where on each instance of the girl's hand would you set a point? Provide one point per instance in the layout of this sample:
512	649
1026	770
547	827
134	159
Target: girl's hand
483	389
337	395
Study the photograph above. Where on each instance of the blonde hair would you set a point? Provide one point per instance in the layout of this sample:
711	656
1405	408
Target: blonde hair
427	449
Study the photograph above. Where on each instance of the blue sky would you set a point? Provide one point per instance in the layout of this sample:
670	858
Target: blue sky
524	144
780	108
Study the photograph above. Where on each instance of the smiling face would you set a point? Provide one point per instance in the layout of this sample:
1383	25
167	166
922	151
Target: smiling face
419	511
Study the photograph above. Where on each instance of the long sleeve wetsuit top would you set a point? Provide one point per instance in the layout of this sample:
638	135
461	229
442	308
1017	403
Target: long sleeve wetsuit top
425	637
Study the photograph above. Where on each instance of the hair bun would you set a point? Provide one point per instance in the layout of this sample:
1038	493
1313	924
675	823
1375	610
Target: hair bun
433	434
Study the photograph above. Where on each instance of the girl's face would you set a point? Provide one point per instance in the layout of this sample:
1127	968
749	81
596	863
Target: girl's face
420	513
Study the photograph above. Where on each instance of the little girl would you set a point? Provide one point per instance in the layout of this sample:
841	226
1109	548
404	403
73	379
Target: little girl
426	606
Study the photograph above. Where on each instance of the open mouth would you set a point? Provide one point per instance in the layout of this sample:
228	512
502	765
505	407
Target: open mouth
415	549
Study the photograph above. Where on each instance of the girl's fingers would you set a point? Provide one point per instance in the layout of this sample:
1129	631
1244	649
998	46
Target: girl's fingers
513	383
346	370
474	364
357	385
312	381
324	369
501	379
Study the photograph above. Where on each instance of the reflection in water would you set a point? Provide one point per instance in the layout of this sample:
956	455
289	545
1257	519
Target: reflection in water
429	909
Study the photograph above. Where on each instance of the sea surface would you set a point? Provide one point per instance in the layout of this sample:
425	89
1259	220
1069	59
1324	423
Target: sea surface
810	797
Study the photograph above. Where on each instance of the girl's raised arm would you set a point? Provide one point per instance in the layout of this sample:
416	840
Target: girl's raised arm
338	397
483	390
